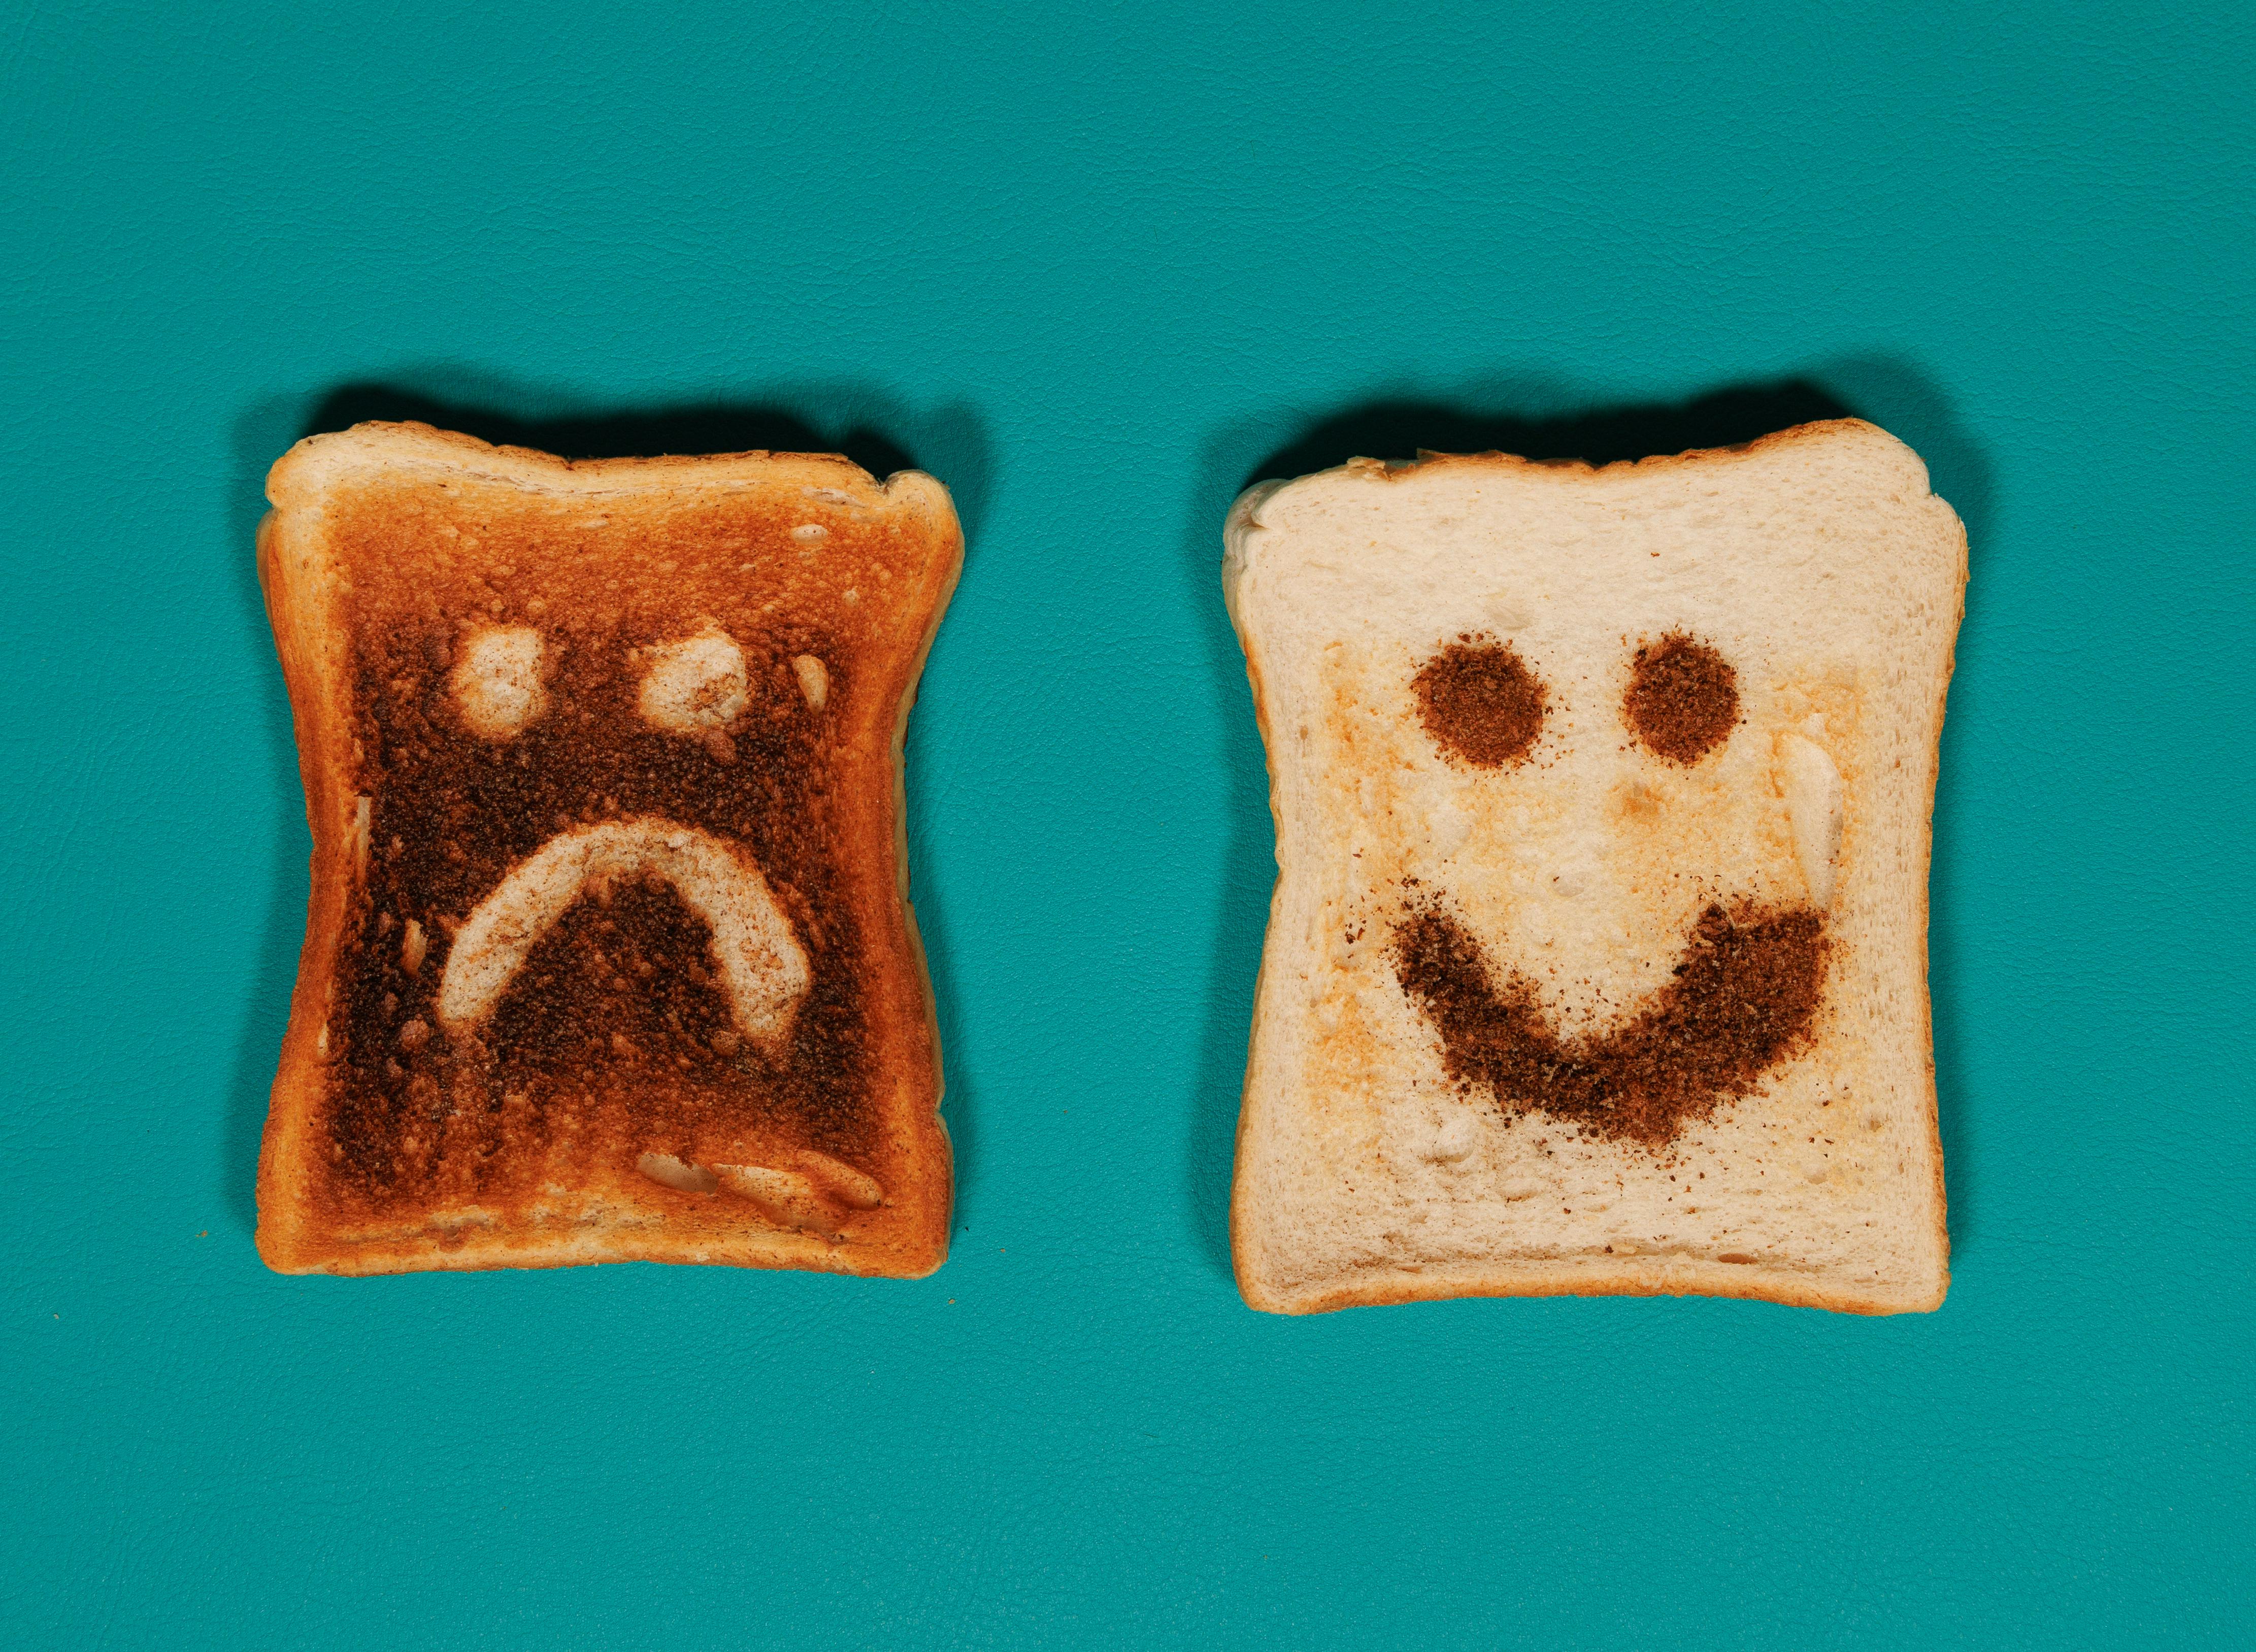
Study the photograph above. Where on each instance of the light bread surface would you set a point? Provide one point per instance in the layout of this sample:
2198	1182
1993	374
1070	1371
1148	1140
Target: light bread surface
1605	908
609	954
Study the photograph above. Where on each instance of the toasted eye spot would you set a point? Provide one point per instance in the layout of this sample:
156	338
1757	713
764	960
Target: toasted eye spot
1481	703
496	682
694	686
1682	698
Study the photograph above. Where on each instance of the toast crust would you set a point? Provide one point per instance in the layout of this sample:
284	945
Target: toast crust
1375	1283
623	1096
1695	1280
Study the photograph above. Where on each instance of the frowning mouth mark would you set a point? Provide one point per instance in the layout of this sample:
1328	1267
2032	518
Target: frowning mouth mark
1742	999
761	966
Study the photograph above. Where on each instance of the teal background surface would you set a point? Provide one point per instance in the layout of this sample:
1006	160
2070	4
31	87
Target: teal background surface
1096	267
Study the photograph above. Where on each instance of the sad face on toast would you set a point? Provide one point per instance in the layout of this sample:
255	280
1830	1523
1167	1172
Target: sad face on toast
1597	962
609	955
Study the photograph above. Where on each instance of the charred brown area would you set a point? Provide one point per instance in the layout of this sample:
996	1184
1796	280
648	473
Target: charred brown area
1481	703
1742	999
616	1035
1682	699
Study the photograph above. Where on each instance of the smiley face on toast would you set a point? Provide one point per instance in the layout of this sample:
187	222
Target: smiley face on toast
1592	876
1748	979
619	962
1596	962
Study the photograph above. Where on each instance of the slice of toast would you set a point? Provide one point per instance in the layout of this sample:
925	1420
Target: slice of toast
1597	958
609	954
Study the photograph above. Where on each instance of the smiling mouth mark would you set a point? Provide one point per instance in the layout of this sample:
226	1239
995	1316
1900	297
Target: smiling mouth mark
1742	999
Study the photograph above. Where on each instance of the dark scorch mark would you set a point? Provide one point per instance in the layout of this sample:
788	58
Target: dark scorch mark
1743	997
1682	699
1481	703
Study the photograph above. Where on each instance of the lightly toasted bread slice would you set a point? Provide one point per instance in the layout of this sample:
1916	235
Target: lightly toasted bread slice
609	954
1597	959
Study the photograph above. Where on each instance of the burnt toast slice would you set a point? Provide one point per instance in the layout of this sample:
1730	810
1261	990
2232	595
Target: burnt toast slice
609	954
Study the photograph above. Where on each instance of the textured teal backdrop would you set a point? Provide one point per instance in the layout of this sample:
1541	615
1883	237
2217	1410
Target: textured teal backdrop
1094	266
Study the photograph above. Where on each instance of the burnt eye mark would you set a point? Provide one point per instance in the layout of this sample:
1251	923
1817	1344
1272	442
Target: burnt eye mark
1481	703
695	686
1683	698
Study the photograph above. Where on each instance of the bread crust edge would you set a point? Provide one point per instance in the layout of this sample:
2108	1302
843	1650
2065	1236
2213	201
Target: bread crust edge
1537	1280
